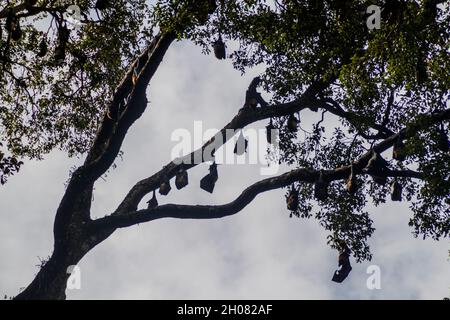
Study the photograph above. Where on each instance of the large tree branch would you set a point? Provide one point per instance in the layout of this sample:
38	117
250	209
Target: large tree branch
77	198
120	115
203	211
113	222
135	195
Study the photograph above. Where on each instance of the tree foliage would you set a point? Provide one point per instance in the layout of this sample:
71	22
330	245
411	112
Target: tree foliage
55	98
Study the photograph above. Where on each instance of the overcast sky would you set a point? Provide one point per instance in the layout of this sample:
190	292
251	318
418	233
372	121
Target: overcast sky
257	254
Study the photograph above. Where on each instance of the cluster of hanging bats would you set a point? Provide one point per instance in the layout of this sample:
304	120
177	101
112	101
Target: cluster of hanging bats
14	31
377	168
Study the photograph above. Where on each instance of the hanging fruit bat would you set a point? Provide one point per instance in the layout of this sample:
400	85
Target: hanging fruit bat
376	167
102	4
344	266
11	21
253	97
351	184
164	187
12	25
321	188
241	145
153	202
443	142
292	123
269	133
16	33
396	191
292	200
21	83
219	48
43	48
181	179
421	71
398	151
208	182
60	54
60	51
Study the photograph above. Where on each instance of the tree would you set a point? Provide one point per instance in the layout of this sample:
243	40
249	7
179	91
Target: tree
388	87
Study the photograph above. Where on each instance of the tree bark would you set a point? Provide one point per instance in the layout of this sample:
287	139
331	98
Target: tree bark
50	283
